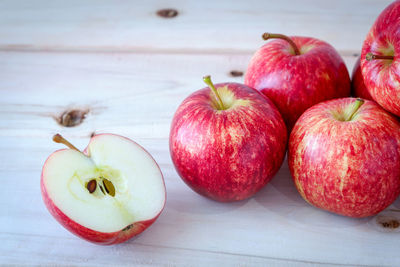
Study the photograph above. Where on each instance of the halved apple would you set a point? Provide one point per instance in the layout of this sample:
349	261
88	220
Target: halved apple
108	193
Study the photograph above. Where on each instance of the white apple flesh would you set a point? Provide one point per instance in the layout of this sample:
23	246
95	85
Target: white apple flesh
107	194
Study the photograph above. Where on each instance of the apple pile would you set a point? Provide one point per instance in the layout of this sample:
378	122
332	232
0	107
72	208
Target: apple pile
227	140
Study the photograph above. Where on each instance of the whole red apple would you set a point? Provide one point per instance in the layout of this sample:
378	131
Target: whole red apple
344	157
108	193
379	59
227	141
358	88
296	73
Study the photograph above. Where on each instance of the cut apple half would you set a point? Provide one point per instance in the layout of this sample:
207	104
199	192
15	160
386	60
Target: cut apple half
111	191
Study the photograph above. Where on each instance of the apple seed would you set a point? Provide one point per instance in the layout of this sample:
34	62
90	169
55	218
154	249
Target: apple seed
110	189
91	186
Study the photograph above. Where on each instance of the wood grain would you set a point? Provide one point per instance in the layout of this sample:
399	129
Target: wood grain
200	27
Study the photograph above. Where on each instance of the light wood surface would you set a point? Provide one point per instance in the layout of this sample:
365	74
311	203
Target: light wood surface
130	69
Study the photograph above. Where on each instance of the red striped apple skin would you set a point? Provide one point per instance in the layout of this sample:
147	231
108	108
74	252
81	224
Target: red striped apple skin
382	77
358	88
350	168
227	155
96	237
297	82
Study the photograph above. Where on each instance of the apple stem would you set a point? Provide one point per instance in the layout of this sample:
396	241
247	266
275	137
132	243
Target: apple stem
268	35
59	139
207	80
371	56
356	105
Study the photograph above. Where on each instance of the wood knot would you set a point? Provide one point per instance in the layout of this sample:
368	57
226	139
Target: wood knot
236	73
167	13
73	117
391	224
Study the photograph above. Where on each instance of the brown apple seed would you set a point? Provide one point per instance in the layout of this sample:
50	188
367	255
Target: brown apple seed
91	186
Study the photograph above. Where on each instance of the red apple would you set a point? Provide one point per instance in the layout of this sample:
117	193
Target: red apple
108	193
296	73
344	157
227	142
380	63
358	88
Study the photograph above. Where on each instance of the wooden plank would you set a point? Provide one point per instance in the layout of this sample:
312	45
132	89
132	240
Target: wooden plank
136	95
56	251
200	27
140	90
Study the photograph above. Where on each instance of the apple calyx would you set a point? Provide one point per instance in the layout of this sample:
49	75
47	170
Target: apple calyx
371	56
105	185
267	36
356	105
220	104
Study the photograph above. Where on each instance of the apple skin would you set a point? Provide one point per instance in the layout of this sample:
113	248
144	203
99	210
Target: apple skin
227	155
358	88
297	82
351	168
90	235
382	77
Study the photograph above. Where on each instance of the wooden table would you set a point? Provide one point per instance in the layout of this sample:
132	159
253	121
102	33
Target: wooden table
130	68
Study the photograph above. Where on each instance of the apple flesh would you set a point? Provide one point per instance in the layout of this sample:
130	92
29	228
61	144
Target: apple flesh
358	88
227	145
344	157
295	81
379	59
109	193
